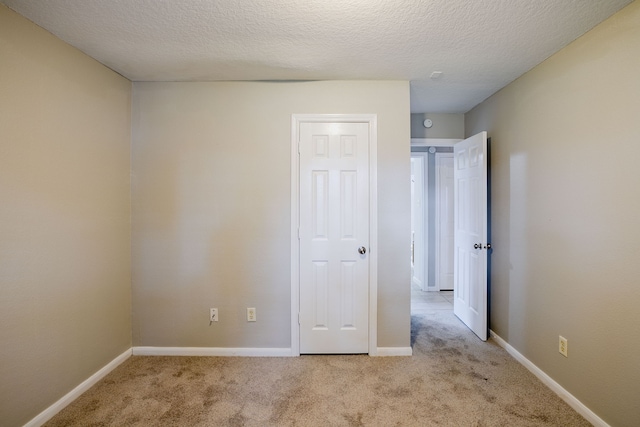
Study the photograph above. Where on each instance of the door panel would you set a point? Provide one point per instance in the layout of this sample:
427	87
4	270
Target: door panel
334	224
444	221
470	216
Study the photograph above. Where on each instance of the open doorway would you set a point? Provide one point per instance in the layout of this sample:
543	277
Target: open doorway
432	225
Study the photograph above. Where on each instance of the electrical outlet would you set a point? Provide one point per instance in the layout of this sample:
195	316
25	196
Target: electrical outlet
563	347
251	314
213	314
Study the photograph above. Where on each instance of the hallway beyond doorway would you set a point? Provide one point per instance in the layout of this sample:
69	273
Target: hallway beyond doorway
423	302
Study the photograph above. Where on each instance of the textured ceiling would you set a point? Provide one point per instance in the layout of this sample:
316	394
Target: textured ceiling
478	45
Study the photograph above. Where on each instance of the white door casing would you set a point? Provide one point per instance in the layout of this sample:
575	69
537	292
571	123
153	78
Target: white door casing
333	284
444	221
418	222
470	229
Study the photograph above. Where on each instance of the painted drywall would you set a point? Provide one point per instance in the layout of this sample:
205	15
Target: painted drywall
65	298
449	126
211	207
565	139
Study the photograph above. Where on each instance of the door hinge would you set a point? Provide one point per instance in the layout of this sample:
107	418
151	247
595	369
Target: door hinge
299	319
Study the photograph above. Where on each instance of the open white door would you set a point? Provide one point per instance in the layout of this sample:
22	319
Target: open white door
470	233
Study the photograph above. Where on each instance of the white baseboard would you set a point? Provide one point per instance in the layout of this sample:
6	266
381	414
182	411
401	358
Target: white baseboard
394	351
211	351
246	352
58	406
570	399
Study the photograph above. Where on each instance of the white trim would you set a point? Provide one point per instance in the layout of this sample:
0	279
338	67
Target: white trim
373	233
212	351
434	142
425	217
420	241
372	120
394	351
65	400
570	399
295	240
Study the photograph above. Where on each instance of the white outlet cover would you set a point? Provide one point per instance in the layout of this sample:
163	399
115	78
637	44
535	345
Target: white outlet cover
563	346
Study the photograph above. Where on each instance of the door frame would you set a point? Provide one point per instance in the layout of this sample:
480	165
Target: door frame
372	121
424	160
424	143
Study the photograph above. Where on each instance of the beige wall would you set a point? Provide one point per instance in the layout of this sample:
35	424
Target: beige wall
566	215
211	207
64	218
445	125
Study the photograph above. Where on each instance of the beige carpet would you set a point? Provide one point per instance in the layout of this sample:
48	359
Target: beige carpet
453	379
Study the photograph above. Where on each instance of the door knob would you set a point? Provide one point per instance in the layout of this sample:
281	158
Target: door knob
477	246
487	246
362	250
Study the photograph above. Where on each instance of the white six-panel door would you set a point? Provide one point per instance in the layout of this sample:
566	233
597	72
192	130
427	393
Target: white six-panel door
470	231
444	221
334	237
